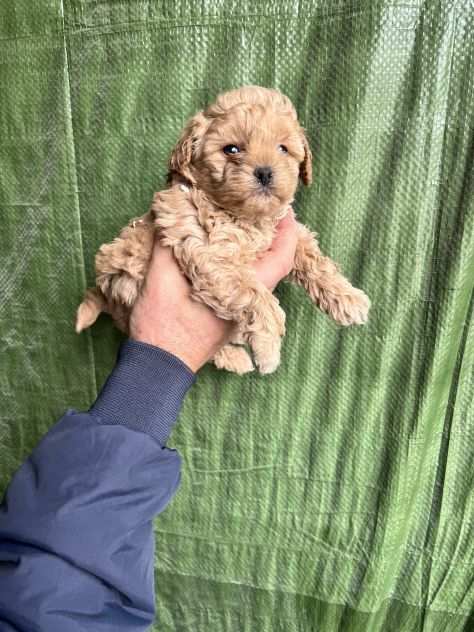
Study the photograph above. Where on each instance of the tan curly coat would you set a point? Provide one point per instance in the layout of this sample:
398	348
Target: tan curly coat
218	214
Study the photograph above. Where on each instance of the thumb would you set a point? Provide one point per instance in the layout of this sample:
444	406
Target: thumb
278	261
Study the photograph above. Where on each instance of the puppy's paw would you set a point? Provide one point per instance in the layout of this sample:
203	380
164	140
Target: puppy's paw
89	310
351	309
266	353
235	359
86	316
269	365
121	288
278	316
280	320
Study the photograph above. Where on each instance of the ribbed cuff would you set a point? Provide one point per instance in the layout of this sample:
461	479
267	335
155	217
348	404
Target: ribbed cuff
144	391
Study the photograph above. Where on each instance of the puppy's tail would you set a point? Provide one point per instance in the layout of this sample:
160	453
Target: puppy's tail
89	310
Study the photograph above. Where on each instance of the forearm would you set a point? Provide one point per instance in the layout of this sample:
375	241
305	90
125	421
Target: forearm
76	539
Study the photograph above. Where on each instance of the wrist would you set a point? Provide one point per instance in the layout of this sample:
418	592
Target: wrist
145	389
193	345
186	351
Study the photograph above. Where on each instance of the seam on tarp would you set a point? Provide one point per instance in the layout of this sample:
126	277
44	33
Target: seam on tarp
436	502
235	612
409	550
339	11
433	521
72	164
157	25
459	612
437	148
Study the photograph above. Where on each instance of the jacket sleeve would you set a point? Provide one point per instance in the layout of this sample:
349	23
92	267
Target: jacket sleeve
76	536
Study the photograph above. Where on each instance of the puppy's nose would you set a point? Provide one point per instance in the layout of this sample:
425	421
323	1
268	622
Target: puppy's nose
263	175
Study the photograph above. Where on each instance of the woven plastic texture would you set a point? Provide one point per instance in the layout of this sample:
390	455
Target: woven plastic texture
336	494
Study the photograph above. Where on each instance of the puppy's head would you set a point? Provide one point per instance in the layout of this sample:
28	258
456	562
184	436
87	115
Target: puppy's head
246	151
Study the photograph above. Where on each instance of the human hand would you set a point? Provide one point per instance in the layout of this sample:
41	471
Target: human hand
166	316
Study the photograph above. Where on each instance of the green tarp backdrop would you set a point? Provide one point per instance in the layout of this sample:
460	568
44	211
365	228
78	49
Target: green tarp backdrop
336	494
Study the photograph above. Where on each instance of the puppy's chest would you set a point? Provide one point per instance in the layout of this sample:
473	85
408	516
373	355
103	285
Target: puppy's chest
229	238
244	239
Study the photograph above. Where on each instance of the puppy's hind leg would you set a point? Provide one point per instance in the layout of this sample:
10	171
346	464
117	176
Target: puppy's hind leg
121	265
89	310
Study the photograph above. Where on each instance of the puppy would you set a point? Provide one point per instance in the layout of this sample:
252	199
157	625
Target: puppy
232	176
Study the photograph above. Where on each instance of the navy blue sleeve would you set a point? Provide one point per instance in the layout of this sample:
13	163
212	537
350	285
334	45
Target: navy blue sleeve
76	535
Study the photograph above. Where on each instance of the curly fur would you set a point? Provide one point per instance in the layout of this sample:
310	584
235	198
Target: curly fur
218	218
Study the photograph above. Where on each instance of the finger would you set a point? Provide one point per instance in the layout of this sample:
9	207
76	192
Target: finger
278	260
287	220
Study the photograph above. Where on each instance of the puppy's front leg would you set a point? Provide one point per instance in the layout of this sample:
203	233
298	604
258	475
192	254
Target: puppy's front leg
327	287
235	294
238	295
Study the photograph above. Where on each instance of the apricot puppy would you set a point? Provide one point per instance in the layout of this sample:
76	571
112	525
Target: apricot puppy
232	176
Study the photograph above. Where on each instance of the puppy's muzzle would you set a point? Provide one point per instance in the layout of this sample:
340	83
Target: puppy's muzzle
264	175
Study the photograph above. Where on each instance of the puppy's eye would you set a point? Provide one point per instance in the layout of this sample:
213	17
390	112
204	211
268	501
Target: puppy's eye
231	150
283	149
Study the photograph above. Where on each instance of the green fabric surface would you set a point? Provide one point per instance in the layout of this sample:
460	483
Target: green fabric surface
336	494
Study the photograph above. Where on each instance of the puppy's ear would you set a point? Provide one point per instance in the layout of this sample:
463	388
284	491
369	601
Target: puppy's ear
306	167
185	148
